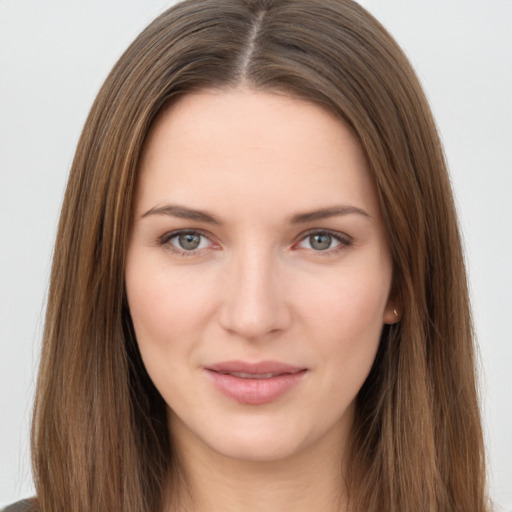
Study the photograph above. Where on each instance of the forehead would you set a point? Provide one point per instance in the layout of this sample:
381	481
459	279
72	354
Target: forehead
262	146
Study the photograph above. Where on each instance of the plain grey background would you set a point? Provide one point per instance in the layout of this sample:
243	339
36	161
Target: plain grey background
54	55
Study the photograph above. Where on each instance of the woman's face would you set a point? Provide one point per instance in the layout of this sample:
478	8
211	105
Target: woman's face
258	272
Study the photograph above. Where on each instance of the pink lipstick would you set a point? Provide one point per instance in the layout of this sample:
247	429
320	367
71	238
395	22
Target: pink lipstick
254	383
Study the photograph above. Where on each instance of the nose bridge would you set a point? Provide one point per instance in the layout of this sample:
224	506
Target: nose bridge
254	305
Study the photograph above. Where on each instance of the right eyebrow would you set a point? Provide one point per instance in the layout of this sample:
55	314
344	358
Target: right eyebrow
325	213
182	212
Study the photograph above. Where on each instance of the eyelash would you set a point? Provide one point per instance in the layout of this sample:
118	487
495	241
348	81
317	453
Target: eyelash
165	240
343	239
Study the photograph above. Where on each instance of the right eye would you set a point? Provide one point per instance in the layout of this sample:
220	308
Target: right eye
186	242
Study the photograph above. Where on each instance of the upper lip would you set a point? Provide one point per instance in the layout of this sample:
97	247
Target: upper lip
257	368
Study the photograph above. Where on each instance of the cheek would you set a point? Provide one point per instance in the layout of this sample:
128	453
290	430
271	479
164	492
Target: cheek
169	311
349	303
346	320
167	306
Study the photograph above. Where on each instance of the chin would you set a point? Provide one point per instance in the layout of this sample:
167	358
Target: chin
259	453
258	449
260	437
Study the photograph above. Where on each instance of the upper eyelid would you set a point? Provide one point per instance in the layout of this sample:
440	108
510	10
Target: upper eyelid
342	237
171	234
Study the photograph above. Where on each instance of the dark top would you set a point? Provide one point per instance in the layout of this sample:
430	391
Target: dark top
20	506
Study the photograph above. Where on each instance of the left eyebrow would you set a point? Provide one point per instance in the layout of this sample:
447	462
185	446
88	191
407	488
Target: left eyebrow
183	212
324	213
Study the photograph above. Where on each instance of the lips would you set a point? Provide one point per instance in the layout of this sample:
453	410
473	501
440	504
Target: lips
254	383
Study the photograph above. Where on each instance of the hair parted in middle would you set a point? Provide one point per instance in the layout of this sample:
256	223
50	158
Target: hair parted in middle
100	434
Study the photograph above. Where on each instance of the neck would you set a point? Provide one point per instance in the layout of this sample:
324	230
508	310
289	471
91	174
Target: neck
311	479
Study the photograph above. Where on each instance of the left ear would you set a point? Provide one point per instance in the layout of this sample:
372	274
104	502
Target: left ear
392	312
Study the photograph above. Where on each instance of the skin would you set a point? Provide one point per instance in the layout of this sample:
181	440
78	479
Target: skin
258	288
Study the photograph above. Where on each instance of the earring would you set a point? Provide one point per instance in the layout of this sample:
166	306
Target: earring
395	312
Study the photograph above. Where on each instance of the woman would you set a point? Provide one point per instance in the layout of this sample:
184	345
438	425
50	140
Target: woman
258	297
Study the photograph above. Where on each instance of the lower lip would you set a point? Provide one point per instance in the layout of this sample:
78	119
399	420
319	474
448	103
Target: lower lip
254	391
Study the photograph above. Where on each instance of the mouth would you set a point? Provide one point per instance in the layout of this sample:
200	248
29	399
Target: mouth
254	383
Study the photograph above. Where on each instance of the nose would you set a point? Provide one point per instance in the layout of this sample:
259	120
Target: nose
254	304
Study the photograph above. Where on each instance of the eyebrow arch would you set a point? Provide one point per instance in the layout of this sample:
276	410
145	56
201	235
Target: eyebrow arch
324	213
183	213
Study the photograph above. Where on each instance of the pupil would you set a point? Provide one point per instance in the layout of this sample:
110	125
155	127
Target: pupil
320	241
189	241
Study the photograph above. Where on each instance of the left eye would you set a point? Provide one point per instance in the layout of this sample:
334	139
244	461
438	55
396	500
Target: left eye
189	241
320	241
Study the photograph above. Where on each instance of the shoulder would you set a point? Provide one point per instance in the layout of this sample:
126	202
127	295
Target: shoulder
28	505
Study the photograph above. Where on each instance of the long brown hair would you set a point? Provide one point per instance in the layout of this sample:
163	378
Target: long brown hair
100	439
